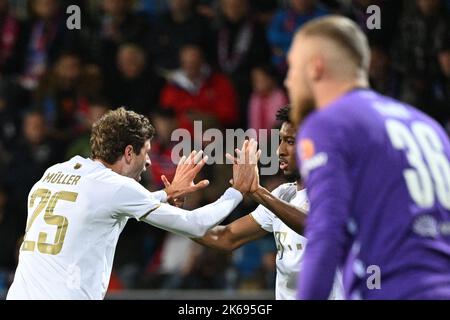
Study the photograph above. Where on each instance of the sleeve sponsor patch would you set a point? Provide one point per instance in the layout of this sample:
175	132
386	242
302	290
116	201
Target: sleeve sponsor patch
307	149
317	161
309	159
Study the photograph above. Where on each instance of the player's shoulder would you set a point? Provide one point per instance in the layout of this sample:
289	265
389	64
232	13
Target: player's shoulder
352	112
301	199
94	171
423	117
354	104
75	163
327	118
289	192
285	191
392	108
60	167
321	126
114	180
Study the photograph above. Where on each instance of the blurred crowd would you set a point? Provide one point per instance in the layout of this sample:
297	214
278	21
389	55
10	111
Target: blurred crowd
219	61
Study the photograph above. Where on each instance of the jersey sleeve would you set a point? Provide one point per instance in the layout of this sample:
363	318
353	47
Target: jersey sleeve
263	216
132	200
324	158
161	195
194	223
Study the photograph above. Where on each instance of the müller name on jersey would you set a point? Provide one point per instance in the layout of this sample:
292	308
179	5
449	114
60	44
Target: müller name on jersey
61	178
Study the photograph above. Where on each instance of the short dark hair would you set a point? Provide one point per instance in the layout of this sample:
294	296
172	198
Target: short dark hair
283	113
116	130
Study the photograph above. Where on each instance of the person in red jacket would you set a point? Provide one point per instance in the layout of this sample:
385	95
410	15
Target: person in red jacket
194	91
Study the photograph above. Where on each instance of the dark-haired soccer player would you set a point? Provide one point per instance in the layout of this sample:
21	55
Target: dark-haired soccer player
377	174
282	212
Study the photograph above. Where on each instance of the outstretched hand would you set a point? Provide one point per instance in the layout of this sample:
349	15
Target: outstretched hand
177	202
245	166
183	181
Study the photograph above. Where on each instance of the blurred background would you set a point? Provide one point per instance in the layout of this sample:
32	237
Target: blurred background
219	61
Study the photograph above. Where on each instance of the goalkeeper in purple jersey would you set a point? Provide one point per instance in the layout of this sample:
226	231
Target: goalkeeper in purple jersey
376	170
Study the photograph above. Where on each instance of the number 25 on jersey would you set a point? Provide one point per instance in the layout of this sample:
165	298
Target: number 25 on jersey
48	202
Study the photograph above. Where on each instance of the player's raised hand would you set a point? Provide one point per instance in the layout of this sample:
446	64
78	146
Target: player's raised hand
177	202
255	184
245	165
183	181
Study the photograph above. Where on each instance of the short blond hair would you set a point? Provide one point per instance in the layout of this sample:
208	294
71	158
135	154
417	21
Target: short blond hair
343	32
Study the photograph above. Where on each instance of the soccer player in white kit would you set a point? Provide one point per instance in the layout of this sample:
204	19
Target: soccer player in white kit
79	208
282	212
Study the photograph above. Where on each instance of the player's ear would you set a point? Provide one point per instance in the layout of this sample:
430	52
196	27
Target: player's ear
128	154
316	68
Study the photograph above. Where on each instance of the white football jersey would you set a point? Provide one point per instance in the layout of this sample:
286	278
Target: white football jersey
290	244
76	213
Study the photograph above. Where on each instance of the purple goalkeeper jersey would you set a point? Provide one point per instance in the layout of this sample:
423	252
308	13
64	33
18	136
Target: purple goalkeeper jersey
377	174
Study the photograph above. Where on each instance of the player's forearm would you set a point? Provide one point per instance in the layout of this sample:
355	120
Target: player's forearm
216	238
197	222
292	216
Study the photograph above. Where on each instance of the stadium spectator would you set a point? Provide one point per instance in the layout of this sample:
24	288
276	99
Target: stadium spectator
207	8
31	156
63	96
266	98
383	77
44	37
201	268
254	264
81	146
284	25
12	223
196	92
206	270
421	33
116	23
19	8
152	8
439	96
239	44
263	10
9	38
9	116
175	29
172	263
135	86
164	120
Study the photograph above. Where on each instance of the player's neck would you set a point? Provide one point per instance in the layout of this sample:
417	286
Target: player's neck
116	167
331	91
